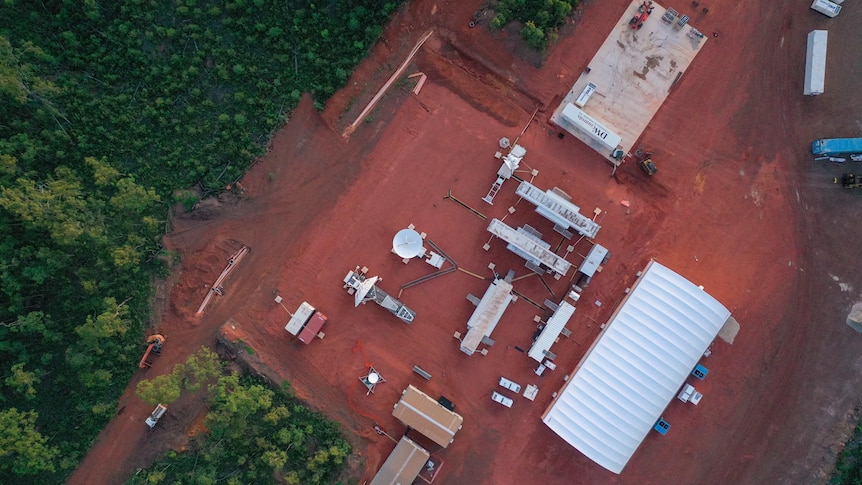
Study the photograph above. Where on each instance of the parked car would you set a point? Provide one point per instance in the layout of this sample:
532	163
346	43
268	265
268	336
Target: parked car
510	385
505	401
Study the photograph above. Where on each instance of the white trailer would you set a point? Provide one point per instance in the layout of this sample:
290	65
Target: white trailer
815	63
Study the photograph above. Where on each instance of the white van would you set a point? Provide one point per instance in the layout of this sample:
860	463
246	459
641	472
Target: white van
505	401
510	385
827	8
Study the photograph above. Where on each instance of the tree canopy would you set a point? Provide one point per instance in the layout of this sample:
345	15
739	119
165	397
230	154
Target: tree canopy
23	450
199	368
256	435
540	18
112	111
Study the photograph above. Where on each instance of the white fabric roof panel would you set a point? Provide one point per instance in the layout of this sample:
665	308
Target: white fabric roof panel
634	369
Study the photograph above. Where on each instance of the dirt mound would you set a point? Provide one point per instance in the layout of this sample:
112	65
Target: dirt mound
483	89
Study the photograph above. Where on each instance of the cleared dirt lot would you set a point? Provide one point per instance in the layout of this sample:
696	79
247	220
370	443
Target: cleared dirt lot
633	72
738	206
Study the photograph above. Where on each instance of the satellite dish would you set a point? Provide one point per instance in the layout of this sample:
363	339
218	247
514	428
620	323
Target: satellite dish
373	377
363	290
407	243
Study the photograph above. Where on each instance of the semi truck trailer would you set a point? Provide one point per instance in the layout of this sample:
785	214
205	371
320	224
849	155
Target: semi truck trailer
815	63
836	146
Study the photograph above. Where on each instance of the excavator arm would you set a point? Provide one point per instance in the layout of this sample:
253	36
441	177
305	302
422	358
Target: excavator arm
154	344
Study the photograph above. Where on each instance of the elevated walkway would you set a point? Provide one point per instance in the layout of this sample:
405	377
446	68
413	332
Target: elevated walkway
558	210
535	249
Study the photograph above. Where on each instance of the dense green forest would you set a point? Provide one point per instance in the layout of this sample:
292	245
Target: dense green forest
255	435
109	110
540	18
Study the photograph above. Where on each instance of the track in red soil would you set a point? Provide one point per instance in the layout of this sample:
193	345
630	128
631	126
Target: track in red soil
736	207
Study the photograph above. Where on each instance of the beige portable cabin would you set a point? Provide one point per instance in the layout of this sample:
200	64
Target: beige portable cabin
424	414
403	465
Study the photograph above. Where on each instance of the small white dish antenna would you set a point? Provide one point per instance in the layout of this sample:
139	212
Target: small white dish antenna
373	378
407	243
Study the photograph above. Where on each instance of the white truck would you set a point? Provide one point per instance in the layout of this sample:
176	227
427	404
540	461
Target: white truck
156	415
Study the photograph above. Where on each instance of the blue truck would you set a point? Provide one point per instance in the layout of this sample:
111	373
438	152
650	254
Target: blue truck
836	146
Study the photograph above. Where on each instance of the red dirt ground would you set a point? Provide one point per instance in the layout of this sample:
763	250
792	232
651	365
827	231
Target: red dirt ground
737	207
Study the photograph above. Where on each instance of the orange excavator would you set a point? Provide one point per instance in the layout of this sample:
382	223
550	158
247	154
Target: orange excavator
154	346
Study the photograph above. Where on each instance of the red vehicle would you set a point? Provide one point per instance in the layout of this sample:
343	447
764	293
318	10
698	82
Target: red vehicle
644	12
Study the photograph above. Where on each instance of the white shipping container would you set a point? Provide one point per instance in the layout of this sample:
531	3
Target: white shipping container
815	63
584	123
827	8
299	318
585	95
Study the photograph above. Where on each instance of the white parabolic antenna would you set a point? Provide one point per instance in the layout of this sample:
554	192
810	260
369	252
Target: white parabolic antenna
373	378
407	243
363	290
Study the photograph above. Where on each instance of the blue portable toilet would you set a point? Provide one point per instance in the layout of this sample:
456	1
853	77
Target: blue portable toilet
662	426
700	371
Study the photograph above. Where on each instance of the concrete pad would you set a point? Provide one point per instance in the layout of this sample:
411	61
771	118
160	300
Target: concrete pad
633	72
729	331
